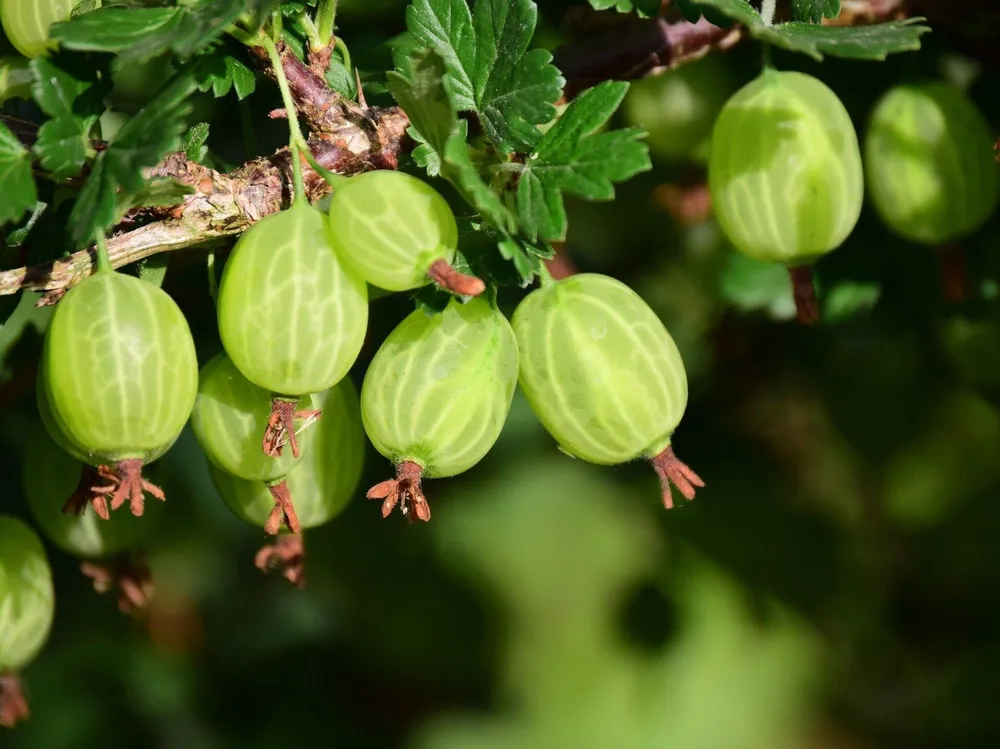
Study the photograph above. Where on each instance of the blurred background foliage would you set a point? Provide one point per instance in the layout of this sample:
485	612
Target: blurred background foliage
835	586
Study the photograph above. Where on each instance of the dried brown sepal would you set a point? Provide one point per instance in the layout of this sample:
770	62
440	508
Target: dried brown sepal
673	471
405	491
804	291
13	705
129	485
286	554
131	578
92	490
283	512
280	430
444	275
687	204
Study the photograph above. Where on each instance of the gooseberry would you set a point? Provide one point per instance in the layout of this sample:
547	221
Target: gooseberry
436	396
603	375
292	316
230	413
119	377
26	23
27	607
929	163
321	483
397	233
785	174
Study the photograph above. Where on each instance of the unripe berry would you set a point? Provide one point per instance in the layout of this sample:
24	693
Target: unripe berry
929	163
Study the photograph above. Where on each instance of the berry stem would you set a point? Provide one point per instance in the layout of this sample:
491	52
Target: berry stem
13	705
952	264
296	142
326	14
672	471
804	291
284	510
445	276
103	261
287	554
404	490
767	10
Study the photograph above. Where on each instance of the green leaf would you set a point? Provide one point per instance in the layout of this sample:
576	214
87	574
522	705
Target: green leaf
692	10
220	72
490	70
873	42
426	101
757	286
571	158
17	237
815	10
138	34
645	8
194	142
17	185
738	10
154	269
145	139
73	97
162	192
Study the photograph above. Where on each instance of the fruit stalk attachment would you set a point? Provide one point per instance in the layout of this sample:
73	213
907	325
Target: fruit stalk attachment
90	491
128	484
804	292
130	577
445	276
13	705
280	429
284	510
286	554
405	491
672	471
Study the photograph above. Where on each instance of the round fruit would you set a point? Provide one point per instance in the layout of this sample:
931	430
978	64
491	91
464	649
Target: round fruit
436	396
27	606
678	108
53	480
323	481
292	317
229	417
929	163
393	229
120	376
603	375
785	169
26	23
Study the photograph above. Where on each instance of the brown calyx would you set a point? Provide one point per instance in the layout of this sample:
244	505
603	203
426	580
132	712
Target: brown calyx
283	512
132	579
951	259
13	705
673	471
444	275
287	554
128	484
804	291
405	491
92	489
280	429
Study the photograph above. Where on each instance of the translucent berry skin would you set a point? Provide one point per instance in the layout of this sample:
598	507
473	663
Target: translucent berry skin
229	417
324	480
50	476
438	390
678	108
292	316
599	369
26	23
390	226
27	601
120	370
785	170
929	163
